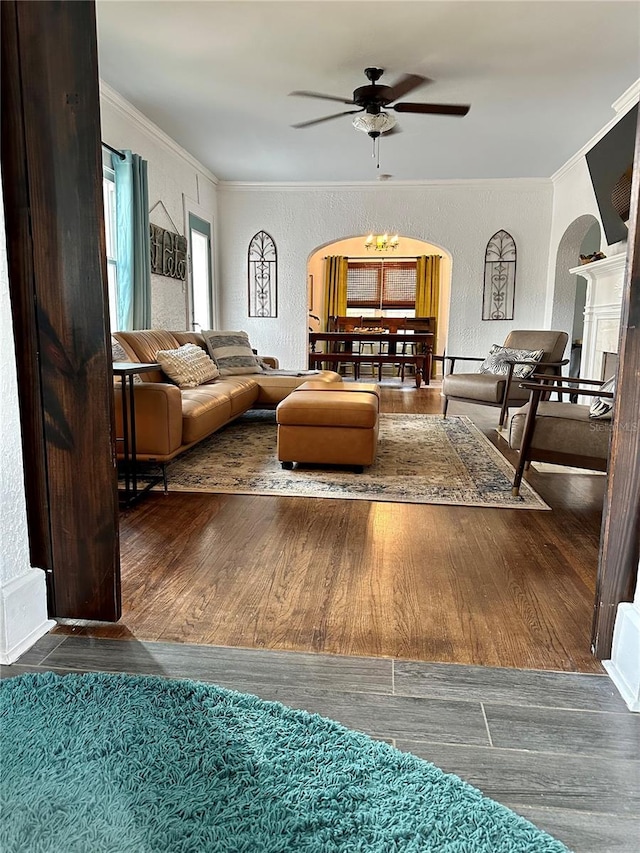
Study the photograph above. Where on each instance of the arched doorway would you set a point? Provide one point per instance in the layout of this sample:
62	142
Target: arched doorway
354	247
569	294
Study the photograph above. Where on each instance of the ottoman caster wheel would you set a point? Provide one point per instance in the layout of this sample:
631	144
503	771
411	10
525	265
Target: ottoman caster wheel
288	466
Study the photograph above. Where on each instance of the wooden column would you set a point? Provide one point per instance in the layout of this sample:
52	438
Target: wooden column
620	541
52	179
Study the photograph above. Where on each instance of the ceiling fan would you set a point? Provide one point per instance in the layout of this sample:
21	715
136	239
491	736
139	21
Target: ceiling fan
375	100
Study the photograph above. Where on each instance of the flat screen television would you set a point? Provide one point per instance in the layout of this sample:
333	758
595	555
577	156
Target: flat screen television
607	161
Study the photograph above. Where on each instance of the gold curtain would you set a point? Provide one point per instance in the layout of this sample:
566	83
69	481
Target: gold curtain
334	298
428	290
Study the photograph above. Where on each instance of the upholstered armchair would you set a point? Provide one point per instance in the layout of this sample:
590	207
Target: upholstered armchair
502	389
558	432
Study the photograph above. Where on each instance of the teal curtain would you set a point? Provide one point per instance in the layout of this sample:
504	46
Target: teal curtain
134	244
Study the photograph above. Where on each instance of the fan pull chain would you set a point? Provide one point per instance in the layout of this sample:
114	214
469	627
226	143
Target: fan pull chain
376	150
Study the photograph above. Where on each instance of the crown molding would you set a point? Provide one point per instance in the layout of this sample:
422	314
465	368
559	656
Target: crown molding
627	99
385	186
116	100
622	105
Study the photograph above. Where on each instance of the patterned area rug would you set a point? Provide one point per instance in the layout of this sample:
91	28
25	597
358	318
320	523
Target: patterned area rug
421	459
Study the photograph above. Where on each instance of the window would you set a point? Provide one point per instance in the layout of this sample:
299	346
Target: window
201	278
109	197
388	287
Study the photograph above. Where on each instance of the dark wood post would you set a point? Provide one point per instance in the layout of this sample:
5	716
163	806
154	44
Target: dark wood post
620	541
52	180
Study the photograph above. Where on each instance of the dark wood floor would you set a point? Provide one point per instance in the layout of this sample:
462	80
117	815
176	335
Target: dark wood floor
495	587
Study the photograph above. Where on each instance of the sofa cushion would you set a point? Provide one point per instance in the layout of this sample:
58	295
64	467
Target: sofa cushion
187	366
497	362
204	410
274	388
241	390
232	352
487	387
562	428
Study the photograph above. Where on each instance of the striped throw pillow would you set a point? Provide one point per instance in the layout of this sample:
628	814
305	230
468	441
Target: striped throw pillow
601	408
232	352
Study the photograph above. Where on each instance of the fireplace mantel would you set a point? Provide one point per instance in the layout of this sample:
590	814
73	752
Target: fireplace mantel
602	311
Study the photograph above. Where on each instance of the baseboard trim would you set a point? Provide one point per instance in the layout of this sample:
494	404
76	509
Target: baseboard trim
23	615
624	667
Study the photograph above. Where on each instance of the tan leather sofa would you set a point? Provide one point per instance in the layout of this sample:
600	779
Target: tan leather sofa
170	419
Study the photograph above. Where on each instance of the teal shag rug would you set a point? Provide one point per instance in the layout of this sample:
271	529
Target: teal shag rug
121	764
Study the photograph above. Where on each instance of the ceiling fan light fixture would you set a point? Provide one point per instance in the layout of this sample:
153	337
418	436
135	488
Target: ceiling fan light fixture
374	124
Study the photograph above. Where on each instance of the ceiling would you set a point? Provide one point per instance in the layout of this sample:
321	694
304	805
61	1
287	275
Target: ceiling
540	78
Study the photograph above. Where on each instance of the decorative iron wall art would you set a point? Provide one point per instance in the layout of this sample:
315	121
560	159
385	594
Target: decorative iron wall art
499	277
263	272
168	253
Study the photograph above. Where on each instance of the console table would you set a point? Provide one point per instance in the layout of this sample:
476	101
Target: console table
126	370
423	342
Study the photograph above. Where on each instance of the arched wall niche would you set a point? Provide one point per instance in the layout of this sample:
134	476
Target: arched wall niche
571	244
408	247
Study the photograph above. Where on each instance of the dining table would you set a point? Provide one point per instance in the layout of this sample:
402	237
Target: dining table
405	348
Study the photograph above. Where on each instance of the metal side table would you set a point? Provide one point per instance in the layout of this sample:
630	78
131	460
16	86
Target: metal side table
131	493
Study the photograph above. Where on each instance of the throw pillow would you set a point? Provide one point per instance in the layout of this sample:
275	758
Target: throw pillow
601	408
118	353
499	357
188	366
232	352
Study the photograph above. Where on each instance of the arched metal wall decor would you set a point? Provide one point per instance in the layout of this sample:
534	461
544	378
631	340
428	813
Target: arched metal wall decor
263	276
499	277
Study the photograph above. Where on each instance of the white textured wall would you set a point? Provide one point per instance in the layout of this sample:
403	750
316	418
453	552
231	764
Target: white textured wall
460	217
23	598
14	554
170	176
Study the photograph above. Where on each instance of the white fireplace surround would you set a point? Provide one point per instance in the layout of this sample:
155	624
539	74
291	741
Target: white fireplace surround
602	311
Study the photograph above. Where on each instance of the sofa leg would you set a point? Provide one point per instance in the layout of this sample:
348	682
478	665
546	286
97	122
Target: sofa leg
445	406
288	466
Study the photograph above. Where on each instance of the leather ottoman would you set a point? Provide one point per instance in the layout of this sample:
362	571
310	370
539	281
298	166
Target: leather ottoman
331	428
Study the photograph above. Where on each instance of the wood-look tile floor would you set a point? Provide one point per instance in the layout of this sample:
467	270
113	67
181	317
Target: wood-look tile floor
450	584
561	749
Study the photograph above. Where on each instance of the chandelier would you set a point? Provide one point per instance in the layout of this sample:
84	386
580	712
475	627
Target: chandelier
382	242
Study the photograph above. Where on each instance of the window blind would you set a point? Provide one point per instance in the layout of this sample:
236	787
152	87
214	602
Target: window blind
381	284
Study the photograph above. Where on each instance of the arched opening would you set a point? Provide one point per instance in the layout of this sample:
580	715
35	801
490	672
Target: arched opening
354	248
582	237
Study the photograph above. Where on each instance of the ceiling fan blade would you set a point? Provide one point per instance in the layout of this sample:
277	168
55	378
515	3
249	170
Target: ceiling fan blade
324	97
437	109
325	118
407	84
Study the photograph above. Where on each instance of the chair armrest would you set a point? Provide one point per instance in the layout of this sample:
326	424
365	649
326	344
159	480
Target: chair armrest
570	389
575	379
463	357
453	358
